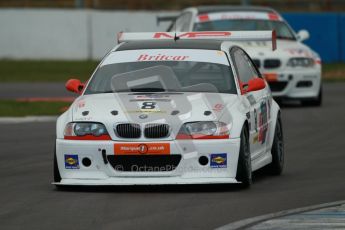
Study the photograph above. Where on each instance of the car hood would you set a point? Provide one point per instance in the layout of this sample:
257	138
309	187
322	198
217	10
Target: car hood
171	108
285	49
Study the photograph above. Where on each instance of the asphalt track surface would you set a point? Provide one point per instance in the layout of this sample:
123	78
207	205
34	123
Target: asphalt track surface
314	173
23	90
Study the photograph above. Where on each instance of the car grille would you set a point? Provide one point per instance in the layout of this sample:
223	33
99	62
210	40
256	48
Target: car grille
272	63
128	130
144	163
277	86
156	130
257	62
133	130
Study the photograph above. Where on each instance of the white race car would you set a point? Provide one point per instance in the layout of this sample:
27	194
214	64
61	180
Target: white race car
165	108
293	70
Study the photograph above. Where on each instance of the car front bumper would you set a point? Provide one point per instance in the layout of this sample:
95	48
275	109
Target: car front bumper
187	171
296	84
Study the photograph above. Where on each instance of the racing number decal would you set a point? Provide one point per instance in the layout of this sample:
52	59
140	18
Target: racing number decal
148	105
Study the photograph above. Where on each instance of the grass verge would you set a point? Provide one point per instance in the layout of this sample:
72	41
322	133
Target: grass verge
61	71
12	108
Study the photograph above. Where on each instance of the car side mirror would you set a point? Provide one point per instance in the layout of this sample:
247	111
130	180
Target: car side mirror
255	85
75	86
303	35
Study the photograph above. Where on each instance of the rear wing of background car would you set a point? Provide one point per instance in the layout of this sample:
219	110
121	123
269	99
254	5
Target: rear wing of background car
236	36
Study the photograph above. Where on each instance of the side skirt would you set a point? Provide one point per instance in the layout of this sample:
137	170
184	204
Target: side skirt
262	161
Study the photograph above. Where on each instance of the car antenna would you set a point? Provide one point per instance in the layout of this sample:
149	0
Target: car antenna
175	36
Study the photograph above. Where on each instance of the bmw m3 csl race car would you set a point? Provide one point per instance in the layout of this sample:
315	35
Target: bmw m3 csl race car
165	108
293	71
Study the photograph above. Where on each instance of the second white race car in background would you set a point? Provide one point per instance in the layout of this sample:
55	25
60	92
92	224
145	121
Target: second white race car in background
293	70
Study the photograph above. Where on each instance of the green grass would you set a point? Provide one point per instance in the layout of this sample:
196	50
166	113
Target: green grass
333	72
45	71
11	108
60	71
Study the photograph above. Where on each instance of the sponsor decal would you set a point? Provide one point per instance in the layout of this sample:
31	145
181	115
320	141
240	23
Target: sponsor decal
218	107
237	15
255	138
218	160
146	111
161	57
299	52
83	118
150	96
142	148
71	161
156	99
256	120
256	44
263	123
273	17
81	104
193	34
203	18
220	53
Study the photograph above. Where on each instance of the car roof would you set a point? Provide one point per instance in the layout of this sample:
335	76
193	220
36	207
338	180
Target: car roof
222	8
171	44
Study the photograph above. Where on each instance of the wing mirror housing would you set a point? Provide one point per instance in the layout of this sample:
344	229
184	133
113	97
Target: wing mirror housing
75	86
255	84
303	35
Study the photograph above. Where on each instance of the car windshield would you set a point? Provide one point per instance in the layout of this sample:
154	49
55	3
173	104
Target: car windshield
282	30
164	71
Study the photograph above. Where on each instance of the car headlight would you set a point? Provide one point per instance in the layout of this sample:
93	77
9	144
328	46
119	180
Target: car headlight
86	131
204	130
301	62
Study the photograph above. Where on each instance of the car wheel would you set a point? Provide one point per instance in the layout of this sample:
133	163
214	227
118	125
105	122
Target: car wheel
277	164
57	176
314	102
244	166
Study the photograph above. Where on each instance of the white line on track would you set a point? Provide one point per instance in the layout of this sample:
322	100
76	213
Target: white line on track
246	223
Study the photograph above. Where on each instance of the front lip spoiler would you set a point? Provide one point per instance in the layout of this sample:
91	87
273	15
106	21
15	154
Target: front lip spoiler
129	181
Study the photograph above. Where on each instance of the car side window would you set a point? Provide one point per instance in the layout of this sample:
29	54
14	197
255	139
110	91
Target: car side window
244	66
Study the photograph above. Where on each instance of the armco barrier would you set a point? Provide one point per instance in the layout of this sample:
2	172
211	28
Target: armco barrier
89	34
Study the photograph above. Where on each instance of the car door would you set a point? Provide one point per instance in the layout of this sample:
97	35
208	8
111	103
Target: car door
257	115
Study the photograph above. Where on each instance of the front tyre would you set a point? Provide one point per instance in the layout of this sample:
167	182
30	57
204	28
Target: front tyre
315	101
277	165
244	166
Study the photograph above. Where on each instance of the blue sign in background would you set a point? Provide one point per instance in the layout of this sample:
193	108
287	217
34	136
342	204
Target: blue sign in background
327	33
